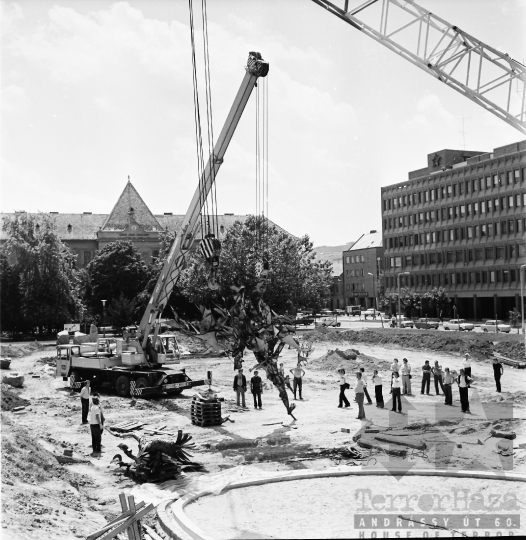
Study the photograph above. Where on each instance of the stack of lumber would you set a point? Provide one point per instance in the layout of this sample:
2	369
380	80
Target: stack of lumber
206	412
129	425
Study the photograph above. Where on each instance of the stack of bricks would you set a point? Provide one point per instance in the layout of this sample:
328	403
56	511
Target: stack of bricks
206	412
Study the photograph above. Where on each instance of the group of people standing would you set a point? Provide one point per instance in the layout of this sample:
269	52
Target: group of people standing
91	407
401	384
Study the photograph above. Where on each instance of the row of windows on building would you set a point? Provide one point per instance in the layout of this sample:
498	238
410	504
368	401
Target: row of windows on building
477	208
462	187
484	230
480	277
491	253
352	259
359	272
356	286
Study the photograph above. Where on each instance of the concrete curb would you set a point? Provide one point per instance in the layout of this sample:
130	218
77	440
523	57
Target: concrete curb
172	512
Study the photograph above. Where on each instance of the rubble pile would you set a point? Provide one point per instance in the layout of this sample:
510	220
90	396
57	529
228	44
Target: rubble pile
350	359
10	399
478	345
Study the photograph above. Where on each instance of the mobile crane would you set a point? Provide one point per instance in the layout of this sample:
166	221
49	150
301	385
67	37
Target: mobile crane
133	365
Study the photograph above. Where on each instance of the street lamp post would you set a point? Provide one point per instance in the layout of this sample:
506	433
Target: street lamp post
374	297
399	308
103	317
522	270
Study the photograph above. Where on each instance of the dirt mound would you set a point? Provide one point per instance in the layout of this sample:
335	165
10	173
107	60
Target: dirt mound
351	360
18	350
478	345
10	399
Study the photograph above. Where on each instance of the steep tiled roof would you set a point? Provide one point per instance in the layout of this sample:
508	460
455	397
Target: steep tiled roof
368	240
130	205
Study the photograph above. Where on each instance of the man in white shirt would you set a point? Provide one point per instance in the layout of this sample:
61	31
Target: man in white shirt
96	426
364	379
406	377
466	364
84	401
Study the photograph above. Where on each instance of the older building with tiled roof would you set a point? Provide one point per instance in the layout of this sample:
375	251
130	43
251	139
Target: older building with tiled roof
130	219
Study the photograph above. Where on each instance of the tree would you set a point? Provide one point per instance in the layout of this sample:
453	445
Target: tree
117	269
48	284
410	301
121	311
296	278
437	299
11	319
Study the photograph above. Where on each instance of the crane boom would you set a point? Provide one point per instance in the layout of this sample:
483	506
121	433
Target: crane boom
480	72
174	263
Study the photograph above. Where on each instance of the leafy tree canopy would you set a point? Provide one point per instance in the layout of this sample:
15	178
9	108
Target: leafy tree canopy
46	277
117	269
296	278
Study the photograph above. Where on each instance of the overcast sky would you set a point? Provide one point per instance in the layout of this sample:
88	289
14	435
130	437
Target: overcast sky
94	91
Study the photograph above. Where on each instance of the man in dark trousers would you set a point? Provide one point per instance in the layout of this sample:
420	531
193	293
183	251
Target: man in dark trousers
256	387
240	387
498	371
426	377
297	383
84	401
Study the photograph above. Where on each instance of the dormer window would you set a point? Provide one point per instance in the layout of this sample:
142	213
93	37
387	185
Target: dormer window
69	228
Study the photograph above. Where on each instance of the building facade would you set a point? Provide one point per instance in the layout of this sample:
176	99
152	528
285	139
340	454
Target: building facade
459	224
130	219
362	266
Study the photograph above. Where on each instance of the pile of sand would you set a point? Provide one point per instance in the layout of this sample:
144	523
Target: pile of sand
18	350
10	399
351	360
480	346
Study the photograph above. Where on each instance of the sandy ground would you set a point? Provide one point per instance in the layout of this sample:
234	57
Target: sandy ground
343	508
315	440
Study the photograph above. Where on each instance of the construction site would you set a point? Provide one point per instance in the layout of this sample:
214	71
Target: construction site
233	422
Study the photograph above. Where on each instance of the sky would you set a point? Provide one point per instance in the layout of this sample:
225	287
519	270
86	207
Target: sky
95	91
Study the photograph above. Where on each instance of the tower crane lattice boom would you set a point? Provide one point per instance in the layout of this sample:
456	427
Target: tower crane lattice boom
488	77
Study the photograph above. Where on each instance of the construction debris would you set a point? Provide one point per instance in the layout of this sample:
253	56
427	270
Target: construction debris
13	379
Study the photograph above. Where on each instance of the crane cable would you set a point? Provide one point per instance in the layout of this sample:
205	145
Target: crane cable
205	214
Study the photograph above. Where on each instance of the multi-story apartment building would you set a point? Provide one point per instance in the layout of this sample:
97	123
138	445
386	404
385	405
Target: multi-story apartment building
362	264
459	224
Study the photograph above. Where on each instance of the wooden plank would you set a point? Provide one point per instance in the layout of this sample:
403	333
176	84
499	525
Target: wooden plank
151	532
126	524
111	525
156	431
123	424
135	534
402	441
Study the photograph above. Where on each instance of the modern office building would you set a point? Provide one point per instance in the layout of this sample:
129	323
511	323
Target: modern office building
362	264
459	224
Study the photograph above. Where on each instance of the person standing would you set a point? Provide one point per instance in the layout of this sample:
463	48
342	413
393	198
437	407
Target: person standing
397	383
256	387
297	383
466	364
240	387
426	377
96	426
84	401
358	391
498	371
343	386
463	385
364	379
448	388
377	381
395	366
437	376
406	377
282	369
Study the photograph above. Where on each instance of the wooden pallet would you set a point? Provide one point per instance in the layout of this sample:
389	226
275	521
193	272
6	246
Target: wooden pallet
206	423
130	425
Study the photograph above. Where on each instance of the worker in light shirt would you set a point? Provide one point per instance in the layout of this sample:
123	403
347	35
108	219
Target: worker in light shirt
84	401
364	379
406	377
358	391
397	383
395	366
377	382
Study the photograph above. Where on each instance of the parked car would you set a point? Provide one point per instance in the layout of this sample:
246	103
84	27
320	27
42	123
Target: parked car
405	322
339	312
353	310
326	312
427	324
458	324
328	321
492	325
369	313
304	321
